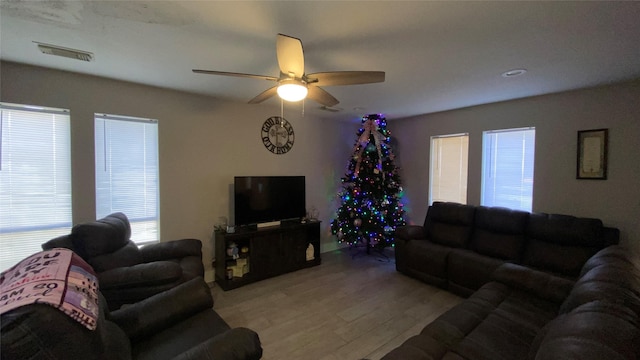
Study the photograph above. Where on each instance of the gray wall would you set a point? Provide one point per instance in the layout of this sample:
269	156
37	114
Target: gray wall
203	143
557	119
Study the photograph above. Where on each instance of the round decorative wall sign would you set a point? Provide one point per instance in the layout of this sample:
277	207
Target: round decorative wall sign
277	135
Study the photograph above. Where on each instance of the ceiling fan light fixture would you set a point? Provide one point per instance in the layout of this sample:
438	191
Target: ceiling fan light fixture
292	90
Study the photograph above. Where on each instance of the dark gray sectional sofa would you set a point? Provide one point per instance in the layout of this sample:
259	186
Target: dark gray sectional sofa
540	286
460	246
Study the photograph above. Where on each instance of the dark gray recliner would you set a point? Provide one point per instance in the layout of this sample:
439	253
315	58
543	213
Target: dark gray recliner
177	324
127	273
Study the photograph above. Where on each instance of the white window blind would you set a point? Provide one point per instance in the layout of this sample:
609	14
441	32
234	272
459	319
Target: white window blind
507	168
35	179
448	168
127	172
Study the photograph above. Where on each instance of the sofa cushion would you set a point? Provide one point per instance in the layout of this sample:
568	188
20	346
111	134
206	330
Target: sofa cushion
101	236
184	335
163	312
127	255
561	243
467	271
142	275
499	232
510	327
496	322
537	283
565	230
558	259
452	326
427	261
449	224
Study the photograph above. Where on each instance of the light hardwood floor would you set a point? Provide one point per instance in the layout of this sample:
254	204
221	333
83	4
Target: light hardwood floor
346	308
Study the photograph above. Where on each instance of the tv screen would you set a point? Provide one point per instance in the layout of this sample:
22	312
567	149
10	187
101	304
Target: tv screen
260	199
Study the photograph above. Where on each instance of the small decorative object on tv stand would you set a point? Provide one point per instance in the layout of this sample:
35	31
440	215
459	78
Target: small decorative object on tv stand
265	252
310	252
313	214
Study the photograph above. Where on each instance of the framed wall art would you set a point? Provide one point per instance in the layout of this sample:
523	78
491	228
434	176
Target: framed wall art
592	154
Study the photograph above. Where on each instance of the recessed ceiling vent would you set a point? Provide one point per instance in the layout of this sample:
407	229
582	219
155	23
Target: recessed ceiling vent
330	108
514	73
65	52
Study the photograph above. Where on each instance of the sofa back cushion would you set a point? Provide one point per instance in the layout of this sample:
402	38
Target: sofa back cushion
595	330
611	275
449	224
561	243
125	256
499	232
102	236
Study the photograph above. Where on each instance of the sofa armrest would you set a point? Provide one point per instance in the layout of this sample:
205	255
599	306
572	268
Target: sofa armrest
536	282
63	241
611	236
163	310
410	232
171	250
140	275
235	344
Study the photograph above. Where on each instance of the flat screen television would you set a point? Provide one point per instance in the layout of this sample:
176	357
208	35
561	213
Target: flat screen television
263	199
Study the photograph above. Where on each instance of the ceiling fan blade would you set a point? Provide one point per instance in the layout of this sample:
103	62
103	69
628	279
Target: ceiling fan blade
322	96
290	55
224	73
346	78
264	95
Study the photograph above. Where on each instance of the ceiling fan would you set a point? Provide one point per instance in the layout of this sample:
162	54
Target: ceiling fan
294	85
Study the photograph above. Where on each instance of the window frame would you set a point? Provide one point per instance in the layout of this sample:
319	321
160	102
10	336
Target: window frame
491	166
463	180
47	170
141	226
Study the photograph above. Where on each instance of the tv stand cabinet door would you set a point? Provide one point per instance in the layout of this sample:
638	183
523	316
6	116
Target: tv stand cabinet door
265	255
293	249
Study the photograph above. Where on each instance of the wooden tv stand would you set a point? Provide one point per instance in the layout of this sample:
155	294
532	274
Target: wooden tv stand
272	251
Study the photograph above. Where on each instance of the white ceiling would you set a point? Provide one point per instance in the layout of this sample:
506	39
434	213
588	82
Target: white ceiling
436	55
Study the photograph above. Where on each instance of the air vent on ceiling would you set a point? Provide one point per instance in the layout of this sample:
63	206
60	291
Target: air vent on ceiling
65	52
330	108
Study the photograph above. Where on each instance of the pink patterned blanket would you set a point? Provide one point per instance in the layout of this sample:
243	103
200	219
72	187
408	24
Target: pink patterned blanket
57	277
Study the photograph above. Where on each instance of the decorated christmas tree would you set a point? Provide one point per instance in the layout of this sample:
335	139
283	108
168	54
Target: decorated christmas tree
371	208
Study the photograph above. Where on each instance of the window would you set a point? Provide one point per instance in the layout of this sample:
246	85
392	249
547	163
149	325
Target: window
507	168
448	168
127	173
35	179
